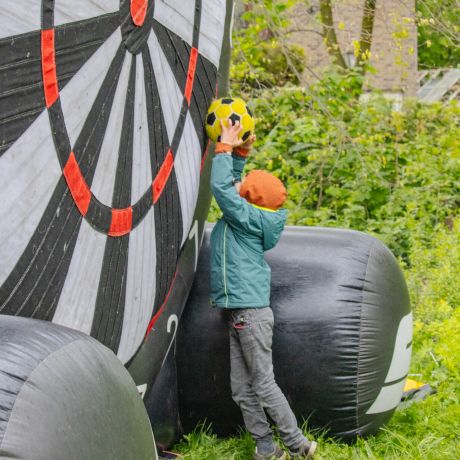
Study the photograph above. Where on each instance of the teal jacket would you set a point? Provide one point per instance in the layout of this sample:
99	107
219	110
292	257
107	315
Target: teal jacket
240	277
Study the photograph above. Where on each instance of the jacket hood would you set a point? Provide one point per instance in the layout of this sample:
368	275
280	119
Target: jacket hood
273	225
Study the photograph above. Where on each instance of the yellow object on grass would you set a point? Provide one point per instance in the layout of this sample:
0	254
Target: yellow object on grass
412	385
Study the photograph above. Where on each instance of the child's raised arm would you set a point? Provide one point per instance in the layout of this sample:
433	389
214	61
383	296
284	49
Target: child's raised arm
240	155
235	209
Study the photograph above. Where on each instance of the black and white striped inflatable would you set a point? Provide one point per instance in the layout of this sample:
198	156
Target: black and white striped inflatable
102	149
104	174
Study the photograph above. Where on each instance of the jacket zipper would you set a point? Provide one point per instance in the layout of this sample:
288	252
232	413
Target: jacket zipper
225	265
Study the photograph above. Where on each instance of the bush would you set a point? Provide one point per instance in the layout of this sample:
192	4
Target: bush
260	59
438	24
360	165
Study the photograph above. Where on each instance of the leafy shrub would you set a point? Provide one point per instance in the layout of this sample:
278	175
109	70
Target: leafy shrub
433	276
259	59
438	33
265	65
360	165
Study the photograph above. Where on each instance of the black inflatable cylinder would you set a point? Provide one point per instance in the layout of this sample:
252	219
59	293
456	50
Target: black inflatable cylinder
342	337
63	395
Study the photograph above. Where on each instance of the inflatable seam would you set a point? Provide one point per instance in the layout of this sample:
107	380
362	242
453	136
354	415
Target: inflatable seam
360	331
40	363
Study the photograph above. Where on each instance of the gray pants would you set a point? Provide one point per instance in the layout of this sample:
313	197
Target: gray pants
252	379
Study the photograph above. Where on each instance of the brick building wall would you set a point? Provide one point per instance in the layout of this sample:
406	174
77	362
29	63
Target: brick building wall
394	44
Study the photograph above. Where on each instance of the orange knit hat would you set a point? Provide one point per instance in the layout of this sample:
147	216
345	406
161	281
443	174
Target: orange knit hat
263	189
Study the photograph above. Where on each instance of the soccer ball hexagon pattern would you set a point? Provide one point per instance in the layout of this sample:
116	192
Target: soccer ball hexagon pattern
231	108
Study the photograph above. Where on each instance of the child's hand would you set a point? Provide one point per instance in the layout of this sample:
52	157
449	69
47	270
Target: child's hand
230	133
249	142
244	149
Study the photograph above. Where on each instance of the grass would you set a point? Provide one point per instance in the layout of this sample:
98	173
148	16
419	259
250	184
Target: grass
426	430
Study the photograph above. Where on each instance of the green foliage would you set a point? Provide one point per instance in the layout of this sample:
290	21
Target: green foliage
432	281
260	59
438	33
360	165
433	275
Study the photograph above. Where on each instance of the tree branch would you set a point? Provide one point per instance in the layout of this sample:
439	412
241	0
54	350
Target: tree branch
367	28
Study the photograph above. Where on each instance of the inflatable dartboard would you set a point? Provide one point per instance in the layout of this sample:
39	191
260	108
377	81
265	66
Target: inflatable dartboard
342	336
102	152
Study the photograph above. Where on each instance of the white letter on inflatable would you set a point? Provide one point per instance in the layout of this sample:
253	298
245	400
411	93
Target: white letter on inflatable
391	392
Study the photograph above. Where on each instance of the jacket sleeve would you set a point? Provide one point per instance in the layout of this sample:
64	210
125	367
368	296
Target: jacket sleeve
238	166
236	210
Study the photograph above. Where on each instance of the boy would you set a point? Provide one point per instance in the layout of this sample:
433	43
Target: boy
240	282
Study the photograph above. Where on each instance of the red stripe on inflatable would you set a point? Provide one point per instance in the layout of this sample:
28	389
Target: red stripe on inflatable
78	187
160	311
138	10
122	221
50	86
191	74
162	177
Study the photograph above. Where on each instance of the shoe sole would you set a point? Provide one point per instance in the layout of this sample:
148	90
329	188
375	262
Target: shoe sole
312	449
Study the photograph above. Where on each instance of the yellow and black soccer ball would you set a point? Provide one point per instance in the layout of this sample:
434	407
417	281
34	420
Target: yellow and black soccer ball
232	108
